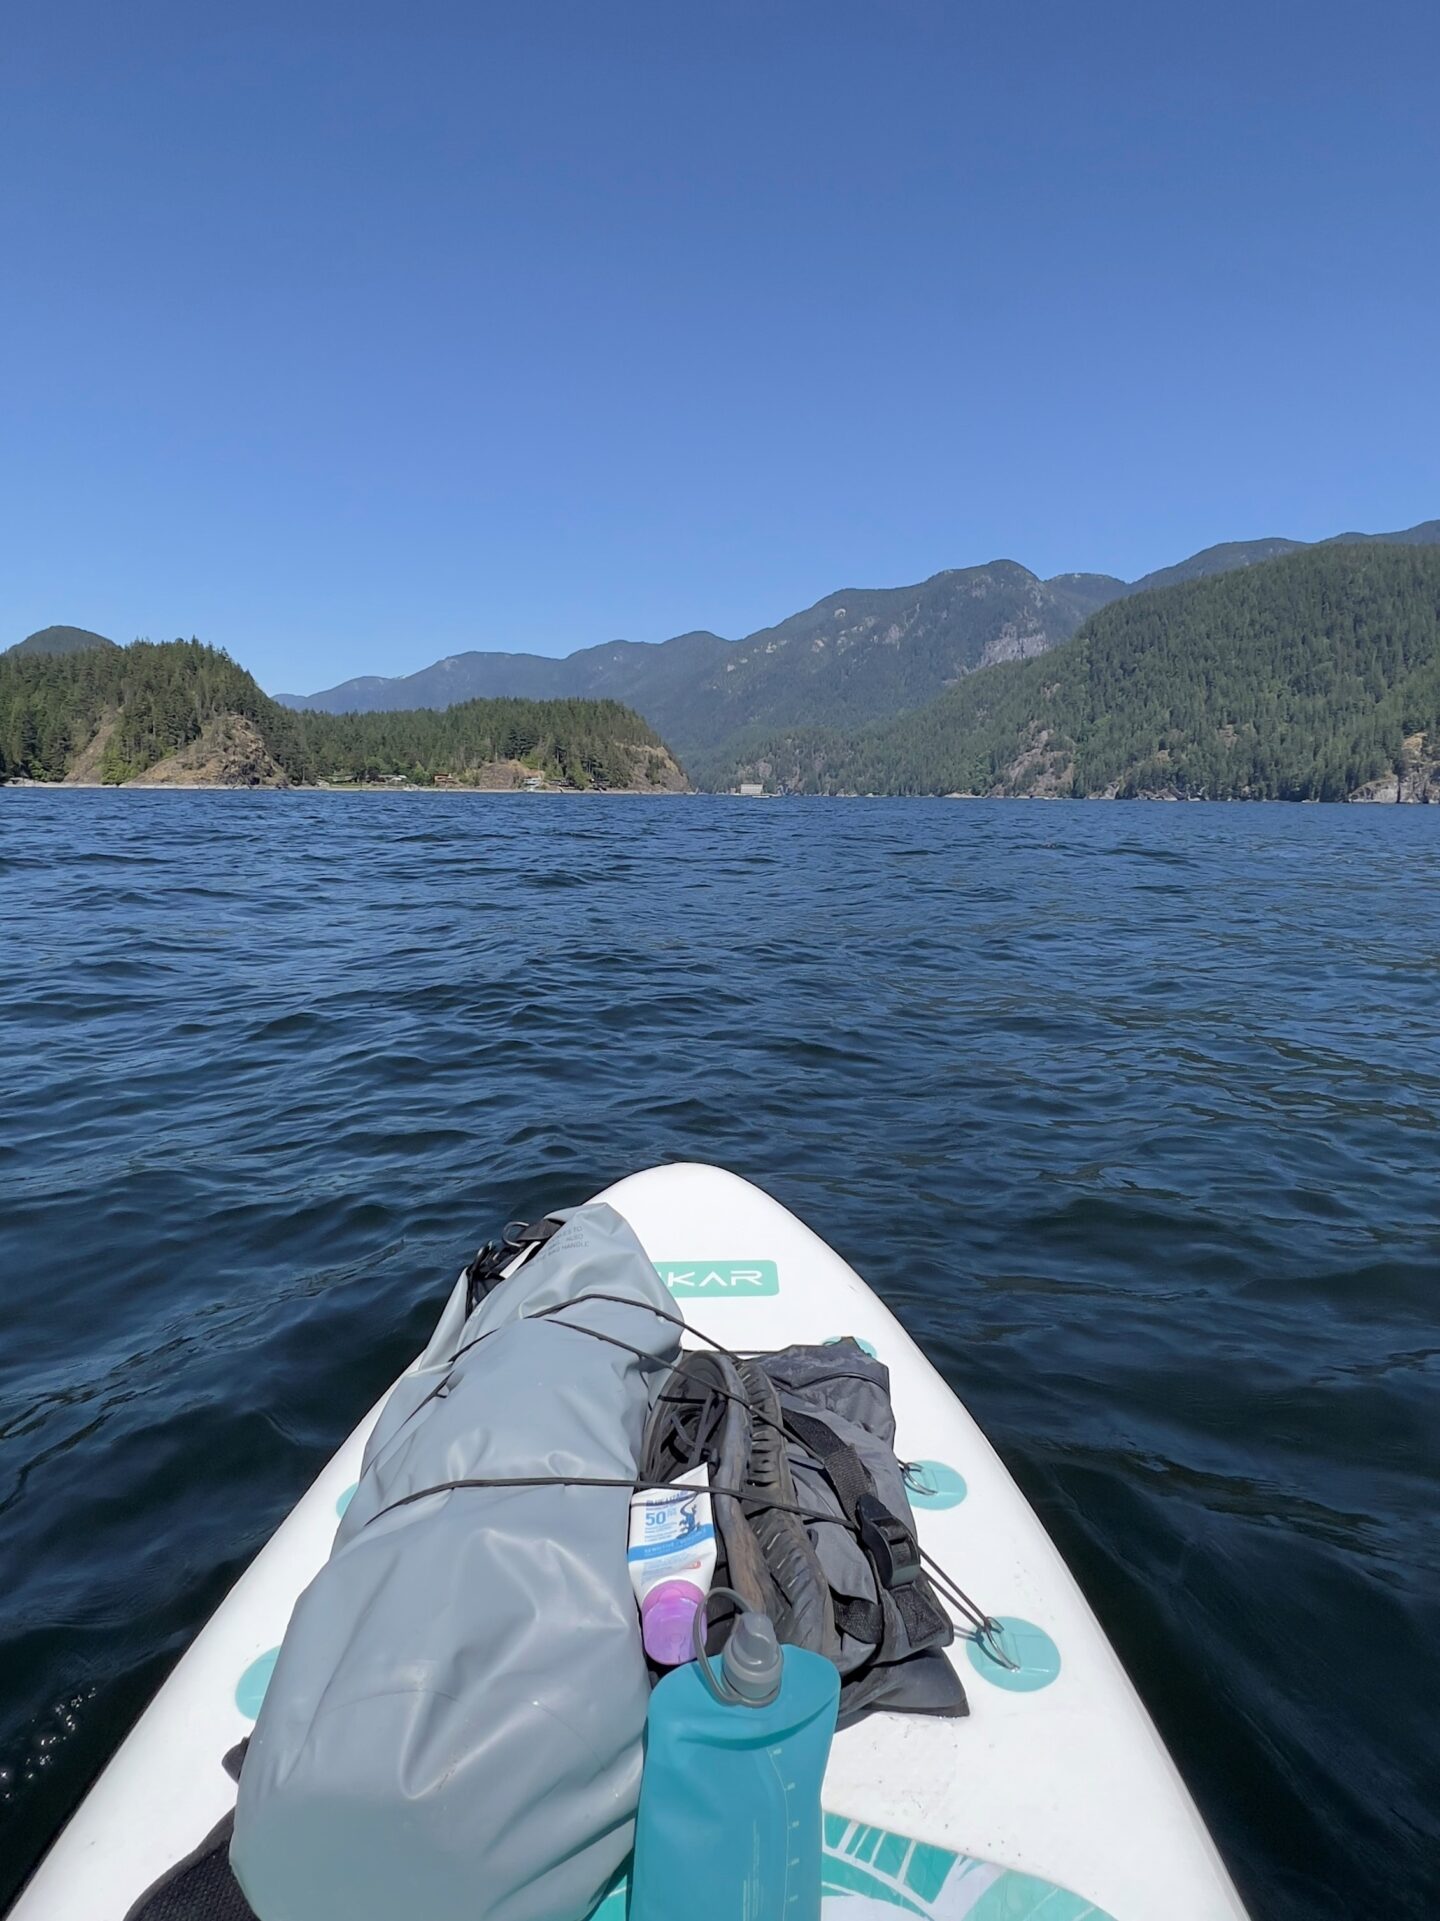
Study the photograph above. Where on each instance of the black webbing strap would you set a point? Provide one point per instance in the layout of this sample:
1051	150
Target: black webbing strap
487	1270
925	1621
864	1620
888	1544
844	1469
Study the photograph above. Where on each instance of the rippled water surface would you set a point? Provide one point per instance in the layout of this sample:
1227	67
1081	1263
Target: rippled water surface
1129	1112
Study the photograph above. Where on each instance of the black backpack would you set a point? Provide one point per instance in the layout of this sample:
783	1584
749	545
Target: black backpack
821	1536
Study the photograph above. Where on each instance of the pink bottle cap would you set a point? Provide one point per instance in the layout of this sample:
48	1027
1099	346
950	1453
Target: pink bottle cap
667	1622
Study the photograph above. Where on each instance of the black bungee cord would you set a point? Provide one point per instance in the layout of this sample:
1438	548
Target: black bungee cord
985	1628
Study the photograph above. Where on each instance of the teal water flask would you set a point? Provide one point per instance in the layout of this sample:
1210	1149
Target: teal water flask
729	1822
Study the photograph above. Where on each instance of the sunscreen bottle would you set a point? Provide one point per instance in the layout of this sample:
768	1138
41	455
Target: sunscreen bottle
672	1560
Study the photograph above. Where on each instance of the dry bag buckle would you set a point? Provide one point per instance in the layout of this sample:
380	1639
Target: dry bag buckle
487	1270
891	1548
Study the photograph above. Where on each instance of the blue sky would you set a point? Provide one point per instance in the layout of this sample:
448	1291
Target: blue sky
350	336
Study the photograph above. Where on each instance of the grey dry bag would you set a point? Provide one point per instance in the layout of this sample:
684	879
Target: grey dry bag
453	1729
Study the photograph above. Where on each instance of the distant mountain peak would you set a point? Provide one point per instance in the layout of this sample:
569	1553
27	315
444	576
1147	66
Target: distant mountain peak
59	640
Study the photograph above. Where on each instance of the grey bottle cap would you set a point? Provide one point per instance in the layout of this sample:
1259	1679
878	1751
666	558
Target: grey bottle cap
752	1660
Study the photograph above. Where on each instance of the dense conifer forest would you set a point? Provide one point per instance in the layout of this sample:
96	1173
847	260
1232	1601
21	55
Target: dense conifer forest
149	701
1302	679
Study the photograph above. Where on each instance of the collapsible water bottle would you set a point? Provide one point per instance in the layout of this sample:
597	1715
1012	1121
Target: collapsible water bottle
729	1821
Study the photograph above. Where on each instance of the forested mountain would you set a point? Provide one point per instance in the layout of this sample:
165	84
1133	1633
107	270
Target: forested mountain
1234	554
807	695
1425	534
852	658
58	640
1227	558
854	655
182	712
1306	678
150	699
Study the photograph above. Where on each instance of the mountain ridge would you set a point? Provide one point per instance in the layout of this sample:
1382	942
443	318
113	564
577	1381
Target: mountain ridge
1074	594
855	657
1315	678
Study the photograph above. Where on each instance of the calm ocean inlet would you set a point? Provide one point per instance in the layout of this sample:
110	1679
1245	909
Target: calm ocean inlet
1131	1113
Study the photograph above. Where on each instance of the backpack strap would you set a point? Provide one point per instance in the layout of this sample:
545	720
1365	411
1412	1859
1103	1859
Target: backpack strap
887	1543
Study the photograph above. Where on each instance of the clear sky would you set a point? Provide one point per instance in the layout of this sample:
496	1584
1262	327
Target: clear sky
350	336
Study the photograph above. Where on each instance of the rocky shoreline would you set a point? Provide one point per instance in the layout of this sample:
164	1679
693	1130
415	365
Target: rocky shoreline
332	787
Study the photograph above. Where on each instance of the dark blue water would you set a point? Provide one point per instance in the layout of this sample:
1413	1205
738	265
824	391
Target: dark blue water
1129	1112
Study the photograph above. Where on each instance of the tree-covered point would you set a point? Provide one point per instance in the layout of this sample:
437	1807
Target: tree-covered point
154	698
1298	680
584	743
135	706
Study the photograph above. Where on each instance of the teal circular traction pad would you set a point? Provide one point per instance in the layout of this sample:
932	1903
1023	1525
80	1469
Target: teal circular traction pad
250	1688
1034	1658
934	1484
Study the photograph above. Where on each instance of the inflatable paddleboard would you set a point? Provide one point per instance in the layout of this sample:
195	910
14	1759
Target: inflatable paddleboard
1054	1799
